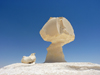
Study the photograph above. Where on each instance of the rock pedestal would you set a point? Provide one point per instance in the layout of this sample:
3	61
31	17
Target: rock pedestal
55	53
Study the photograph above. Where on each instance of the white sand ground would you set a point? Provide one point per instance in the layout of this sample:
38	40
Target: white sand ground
51	69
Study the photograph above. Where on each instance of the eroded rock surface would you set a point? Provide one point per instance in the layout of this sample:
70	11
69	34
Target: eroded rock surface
59	31
79	68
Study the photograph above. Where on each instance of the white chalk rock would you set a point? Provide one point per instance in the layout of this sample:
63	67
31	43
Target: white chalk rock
69	68
29	59
59	31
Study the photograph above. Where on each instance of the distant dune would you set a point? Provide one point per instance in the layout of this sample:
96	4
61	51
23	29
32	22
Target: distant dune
51	69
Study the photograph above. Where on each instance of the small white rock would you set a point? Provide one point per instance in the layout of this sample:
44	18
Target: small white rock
29	59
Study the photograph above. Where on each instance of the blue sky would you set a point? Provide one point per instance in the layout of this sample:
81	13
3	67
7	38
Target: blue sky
21	21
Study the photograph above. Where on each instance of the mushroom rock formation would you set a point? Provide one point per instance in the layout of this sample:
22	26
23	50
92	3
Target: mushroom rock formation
59	31
29	59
